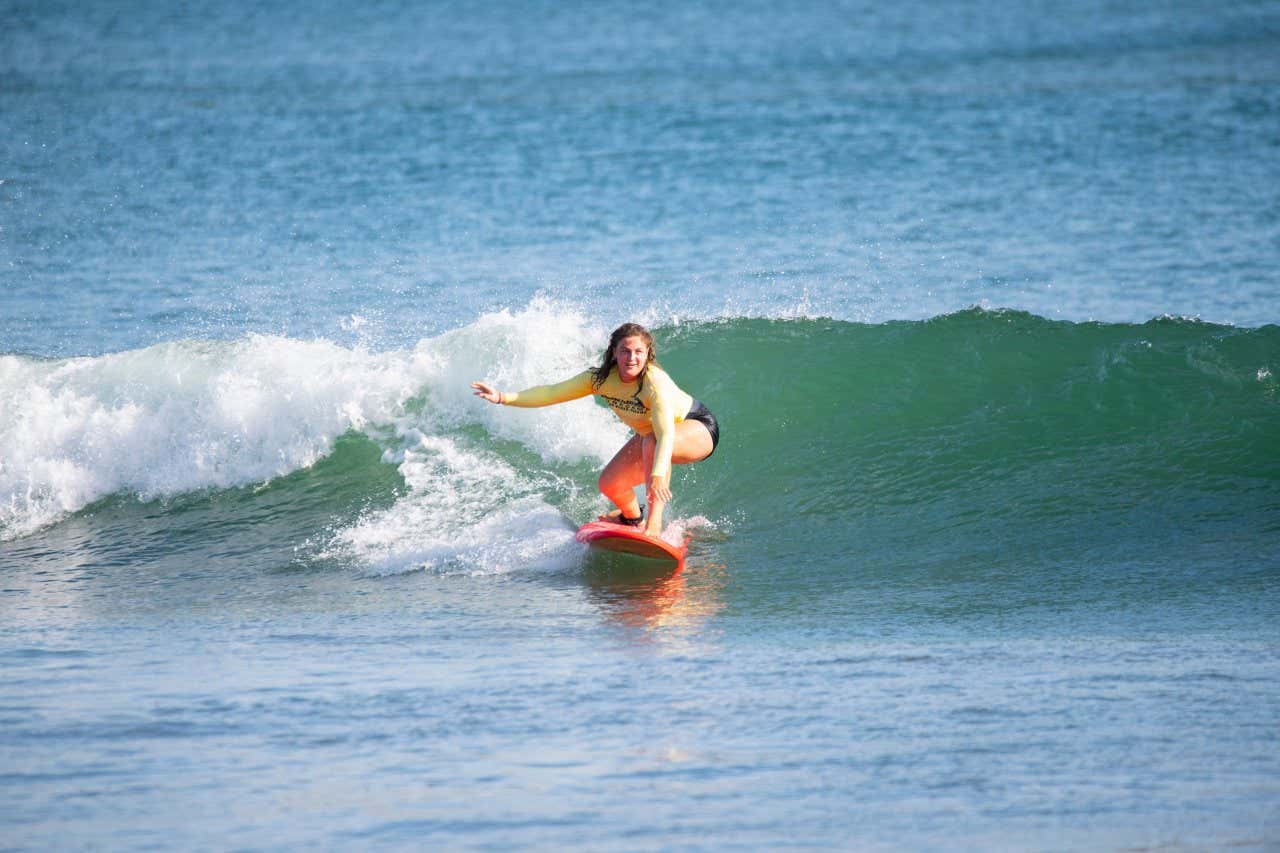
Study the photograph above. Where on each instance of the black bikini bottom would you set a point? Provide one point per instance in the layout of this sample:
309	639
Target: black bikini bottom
701	414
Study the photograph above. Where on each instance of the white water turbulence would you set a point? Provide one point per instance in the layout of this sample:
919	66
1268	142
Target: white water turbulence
465	512
544	342
465	509
181	417
206	415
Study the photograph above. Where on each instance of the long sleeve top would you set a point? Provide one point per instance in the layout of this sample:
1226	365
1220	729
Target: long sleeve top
654	404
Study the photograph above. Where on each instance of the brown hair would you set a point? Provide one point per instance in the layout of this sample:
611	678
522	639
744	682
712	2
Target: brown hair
626	330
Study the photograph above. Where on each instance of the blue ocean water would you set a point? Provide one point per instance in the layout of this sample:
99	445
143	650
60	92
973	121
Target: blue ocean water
984	297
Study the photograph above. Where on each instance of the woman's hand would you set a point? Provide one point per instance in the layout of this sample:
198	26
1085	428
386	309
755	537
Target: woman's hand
487	392
659	491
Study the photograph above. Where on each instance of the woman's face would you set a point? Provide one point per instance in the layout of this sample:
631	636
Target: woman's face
631	355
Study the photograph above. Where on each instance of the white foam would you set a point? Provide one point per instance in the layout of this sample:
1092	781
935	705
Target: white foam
468	511
192	415
464	512
677	530
544	343
180	417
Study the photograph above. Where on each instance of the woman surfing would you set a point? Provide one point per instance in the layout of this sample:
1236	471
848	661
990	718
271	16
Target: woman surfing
670	426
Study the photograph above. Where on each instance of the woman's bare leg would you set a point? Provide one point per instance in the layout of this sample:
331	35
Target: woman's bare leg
624	472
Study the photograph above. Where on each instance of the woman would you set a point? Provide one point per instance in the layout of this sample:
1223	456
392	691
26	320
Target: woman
670	426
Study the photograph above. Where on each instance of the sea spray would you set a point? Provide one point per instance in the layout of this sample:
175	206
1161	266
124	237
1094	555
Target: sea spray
194	415
182	417
544	343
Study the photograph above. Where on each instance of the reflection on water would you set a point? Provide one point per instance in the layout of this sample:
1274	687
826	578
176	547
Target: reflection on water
653	596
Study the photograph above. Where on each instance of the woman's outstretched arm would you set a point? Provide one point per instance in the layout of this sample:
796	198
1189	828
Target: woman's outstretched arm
540	395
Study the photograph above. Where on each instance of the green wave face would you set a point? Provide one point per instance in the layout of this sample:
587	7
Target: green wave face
989	439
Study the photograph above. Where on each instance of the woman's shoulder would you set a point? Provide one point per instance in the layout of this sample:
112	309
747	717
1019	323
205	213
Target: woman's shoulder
657	372
658	380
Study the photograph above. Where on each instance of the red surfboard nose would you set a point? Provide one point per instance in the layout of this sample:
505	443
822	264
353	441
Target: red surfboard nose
625	539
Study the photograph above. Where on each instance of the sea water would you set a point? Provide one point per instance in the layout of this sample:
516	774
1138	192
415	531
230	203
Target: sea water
983	295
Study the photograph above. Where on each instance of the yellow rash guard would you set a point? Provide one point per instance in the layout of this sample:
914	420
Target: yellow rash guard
652	405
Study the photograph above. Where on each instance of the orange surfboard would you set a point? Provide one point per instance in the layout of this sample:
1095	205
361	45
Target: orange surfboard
625	539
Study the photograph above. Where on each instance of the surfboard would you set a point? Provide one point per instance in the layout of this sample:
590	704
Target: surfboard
625	539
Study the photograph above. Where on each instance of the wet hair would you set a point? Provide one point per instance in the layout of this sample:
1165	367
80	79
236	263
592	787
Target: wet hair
626	330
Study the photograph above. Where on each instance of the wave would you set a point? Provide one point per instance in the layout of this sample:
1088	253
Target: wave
998	429
1000	435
